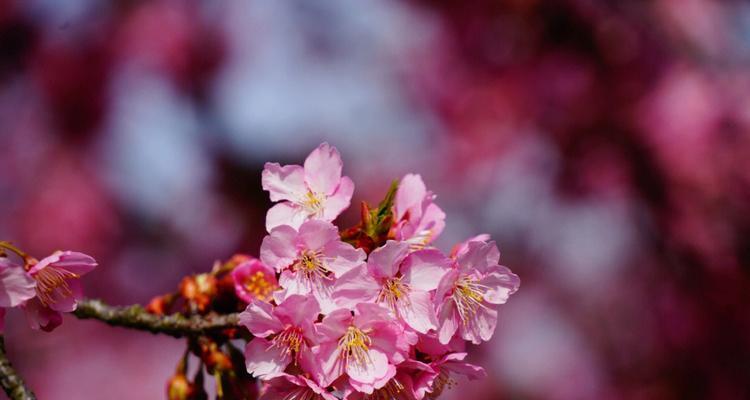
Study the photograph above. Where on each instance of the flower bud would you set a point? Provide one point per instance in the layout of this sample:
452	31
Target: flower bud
179	387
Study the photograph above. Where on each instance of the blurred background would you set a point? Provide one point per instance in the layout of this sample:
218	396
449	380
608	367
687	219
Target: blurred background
603	144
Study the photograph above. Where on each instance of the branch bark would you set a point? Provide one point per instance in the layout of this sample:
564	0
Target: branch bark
136	317
11	382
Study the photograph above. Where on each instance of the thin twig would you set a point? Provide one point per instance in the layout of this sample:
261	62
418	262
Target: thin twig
11	382
136	317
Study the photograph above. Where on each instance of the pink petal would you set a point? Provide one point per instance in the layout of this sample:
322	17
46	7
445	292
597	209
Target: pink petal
424	269
334	325
260	320
342	257
284	183
369	314
41	317
278	249
355	286
285	213
479	257
500	285
473	372
323	169
298	310
315	234
433	219
448	322
370	387
339	200
384	261
411	191
262	359
368	372
418	312
461	248
445	287
16	286
330	363
482	326
77	263
64	302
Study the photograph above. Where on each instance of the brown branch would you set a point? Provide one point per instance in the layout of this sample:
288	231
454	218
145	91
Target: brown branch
11	382
136	317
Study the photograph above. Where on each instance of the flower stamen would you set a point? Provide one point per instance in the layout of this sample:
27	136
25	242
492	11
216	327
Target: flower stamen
290	341
258	285
51	280
468	295
312	203
393	292
354	347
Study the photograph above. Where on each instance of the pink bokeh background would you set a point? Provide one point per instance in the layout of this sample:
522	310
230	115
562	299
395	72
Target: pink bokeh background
604	145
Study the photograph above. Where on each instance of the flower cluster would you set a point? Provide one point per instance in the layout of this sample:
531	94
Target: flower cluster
371	312
43	288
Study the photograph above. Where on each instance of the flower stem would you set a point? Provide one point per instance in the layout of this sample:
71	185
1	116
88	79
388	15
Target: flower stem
11	382
136	317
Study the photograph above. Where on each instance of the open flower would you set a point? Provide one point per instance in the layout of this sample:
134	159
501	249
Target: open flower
283	334
309	259
293	387
315	191
254	280
16	287
365	346
418	221
397	279
58	288
469	293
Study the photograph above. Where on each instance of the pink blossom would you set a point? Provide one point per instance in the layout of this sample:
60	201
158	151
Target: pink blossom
287	386
468	294
418	220
283	334
438	377
16	287
254	280
365	346
309	259
58	288
399	386
399	280
315	191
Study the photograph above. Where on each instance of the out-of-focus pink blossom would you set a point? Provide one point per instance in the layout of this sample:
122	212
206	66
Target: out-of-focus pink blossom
468	294
309	259
283	334
418	221
315	191
399	280
254	280
57	287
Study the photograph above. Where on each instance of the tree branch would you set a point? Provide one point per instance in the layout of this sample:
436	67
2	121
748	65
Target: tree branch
11	382
136	317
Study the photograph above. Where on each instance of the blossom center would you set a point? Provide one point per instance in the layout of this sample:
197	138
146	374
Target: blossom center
290	341
312	203
258	285
354	346
50	280
311	265
468	295
393	291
